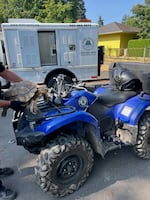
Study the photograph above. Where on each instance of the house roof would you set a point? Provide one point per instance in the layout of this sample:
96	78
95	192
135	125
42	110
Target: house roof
116	27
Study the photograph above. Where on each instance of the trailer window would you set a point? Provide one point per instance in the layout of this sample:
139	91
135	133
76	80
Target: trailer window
72	47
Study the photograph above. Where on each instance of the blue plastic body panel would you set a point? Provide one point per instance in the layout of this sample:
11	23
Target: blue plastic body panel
129	111
100	90
52	124
76	96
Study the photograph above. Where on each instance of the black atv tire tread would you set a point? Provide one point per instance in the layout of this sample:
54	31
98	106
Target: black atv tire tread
54	151
142	148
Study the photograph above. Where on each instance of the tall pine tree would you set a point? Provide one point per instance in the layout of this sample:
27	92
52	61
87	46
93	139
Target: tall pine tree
100	21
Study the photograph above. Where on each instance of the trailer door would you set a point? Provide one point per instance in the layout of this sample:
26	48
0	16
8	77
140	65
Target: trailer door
29	48
12	48
68	47
47	45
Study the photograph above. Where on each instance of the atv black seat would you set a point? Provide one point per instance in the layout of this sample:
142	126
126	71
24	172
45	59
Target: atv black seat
113	96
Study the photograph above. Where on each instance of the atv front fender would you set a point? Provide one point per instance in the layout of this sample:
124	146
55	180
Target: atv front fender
52	124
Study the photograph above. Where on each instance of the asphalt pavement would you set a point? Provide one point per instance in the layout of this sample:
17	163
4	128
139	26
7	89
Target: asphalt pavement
120	176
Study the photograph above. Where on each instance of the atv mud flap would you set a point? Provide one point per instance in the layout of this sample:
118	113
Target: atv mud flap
29	137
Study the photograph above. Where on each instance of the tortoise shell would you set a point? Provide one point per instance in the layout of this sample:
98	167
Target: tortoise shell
21	91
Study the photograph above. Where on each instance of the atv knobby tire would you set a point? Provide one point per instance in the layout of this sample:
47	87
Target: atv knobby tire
64	165
142	147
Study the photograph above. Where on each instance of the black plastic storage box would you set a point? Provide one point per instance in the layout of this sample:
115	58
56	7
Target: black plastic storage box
146	83
139	69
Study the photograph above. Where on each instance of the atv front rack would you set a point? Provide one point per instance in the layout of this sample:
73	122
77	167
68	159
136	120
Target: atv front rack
48	111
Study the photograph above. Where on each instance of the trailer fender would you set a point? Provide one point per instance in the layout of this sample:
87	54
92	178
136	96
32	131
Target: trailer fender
54	73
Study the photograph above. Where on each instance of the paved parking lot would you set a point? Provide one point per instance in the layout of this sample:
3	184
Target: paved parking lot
120	176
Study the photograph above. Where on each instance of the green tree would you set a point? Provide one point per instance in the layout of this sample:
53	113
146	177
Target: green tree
100	21
43	10
19	9
57	11
140	19
62	11
128	20
80	10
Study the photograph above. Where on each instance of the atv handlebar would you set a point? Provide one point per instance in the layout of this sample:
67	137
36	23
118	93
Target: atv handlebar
63	90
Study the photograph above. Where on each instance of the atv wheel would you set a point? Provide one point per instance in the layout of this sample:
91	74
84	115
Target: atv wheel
65	165
142	147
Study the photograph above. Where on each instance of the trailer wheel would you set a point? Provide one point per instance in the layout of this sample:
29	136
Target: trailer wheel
64	165
52	82
142	147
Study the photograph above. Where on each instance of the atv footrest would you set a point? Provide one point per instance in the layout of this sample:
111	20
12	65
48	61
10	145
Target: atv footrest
109	146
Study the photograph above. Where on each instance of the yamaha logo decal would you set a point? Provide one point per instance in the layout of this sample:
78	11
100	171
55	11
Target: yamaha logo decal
83	101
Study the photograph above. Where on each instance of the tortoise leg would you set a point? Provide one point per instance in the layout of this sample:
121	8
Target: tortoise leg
33	106
45	97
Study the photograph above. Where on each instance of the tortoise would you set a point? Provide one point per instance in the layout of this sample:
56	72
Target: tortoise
27	92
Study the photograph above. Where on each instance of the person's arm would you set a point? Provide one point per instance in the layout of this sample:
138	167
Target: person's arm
10	76
4	103
15	105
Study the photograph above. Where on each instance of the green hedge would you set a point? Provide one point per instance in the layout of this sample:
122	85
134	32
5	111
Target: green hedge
136	48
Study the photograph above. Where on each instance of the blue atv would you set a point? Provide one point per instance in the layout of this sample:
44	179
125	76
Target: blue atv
78	121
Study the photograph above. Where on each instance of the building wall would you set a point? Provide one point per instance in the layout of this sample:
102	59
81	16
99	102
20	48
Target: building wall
125	37
115	44
109	41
